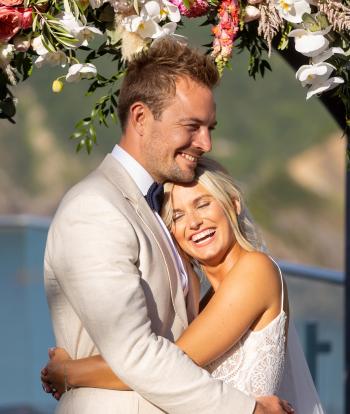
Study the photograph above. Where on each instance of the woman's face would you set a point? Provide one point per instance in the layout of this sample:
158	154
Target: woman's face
200	225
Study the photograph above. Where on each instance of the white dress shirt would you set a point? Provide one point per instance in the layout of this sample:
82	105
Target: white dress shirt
144	181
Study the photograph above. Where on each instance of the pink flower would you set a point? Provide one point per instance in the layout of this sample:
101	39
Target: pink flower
197	7
10	2
225	32
12	20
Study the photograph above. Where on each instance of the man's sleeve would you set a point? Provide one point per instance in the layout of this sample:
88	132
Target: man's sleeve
94	250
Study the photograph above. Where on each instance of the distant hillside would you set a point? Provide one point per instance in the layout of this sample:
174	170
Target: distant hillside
276	145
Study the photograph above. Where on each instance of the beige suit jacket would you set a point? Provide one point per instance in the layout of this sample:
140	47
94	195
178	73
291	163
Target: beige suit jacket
113	288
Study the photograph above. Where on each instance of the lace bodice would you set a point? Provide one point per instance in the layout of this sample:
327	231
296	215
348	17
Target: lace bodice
254	365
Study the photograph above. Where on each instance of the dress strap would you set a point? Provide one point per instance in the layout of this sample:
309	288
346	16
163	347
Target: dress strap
282	284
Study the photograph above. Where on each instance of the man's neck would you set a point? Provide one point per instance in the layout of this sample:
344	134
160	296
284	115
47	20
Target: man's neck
135	152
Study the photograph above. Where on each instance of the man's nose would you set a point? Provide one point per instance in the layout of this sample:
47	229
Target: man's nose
203	139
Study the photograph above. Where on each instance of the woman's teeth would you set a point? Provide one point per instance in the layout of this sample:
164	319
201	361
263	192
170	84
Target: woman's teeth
203	236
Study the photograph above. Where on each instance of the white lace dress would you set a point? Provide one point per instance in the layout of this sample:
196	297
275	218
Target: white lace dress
255	364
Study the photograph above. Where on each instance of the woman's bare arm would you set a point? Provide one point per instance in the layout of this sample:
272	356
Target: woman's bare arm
248	295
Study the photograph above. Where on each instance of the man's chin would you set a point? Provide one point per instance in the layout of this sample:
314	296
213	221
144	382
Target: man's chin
184	177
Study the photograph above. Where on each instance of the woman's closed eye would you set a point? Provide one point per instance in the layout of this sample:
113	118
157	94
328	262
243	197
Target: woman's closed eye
177	215
203	204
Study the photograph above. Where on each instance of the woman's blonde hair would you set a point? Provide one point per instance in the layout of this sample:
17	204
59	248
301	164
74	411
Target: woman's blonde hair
214	178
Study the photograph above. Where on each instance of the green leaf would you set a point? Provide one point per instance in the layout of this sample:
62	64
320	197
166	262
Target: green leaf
77	134
89	145
92	132
80	145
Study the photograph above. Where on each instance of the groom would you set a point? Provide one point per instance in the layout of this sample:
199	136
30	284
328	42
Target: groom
114	281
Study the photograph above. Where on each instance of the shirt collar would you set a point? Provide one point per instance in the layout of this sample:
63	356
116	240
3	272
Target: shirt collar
141	177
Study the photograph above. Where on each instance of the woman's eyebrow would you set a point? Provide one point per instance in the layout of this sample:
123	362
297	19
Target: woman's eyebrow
195	201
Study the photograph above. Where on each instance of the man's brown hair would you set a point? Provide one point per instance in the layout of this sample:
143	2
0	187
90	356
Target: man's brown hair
151	76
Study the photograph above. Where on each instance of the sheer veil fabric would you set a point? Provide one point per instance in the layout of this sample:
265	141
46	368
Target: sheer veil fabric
297	385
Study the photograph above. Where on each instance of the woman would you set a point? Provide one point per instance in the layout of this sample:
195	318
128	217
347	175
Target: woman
240	336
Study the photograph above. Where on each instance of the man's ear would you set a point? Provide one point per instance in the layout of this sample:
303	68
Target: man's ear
138	116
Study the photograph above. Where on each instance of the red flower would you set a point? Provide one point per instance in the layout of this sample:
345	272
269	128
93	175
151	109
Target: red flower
12	20
10	2
27	17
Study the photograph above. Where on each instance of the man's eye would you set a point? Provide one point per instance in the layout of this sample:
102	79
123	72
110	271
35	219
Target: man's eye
192	127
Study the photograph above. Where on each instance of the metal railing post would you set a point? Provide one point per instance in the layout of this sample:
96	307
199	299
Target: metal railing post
347	284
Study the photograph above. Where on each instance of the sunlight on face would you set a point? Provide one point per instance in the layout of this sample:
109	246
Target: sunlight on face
200	225
173	144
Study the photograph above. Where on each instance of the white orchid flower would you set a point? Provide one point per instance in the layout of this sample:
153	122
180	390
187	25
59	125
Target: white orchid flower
167	29
47	57
161	10
38	46
52	59
143	25
317	77
310	43
326	85
327	54
309	74
170	11
80	71
292	10
83	33
146	24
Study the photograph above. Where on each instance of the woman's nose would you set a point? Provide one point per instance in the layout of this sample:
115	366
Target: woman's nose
194	220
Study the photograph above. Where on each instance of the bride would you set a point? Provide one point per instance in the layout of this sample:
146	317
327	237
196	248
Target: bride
243	335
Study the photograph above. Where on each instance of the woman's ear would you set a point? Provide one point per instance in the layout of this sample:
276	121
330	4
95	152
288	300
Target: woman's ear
237	205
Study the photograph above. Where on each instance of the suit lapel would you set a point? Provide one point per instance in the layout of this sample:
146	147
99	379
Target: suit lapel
177	297
115	173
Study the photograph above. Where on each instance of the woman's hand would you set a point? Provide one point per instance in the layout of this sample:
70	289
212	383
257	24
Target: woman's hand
54	373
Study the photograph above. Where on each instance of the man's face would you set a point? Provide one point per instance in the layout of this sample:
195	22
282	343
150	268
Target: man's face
173	144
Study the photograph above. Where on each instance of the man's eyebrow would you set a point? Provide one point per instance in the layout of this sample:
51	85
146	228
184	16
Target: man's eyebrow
198	121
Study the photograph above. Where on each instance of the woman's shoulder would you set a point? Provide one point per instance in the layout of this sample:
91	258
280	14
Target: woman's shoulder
257	268
253	261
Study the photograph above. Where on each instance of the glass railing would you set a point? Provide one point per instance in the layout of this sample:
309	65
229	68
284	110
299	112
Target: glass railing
316	298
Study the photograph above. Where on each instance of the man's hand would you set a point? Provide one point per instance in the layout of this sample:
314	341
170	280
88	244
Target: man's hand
272	405
52	375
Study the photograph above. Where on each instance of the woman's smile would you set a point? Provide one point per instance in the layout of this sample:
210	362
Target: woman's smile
203	237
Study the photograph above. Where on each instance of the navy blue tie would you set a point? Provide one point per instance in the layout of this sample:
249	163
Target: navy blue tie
155	196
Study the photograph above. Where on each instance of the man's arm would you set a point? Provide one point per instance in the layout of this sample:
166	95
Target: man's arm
94	255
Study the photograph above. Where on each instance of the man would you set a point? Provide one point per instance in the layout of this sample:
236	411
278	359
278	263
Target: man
114	281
